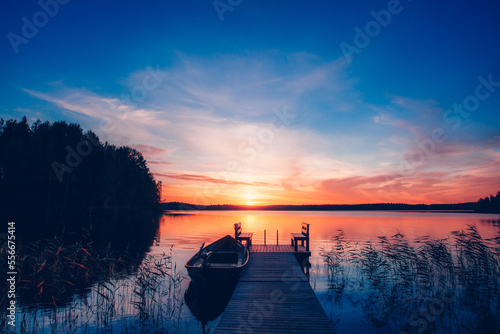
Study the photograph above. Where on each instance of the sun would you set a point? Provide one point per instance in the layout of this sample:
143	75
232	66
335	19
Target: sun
249	199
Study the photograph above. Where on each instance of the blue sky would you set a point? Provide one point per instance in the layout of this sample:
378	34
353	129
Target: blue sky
355	127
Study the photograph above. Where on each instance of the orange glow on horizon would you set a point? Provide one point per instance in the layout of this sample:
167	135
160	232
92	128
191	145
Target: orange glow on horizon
348	190
288	198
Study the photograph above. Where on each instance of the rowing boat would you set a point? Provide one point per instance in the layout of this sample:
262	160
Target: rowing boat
220	262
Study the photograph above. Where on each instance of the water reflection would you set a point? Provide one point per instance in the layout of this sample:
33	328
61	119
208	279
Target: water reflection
207	303
491	221
53	270
208	226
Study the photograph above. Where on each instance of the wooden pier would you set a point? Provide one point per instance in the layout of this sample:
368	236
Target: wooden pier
273	295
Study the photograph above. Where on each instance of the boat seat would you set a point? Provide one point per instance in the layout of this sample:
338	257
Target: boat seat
223	257
240	236
302	237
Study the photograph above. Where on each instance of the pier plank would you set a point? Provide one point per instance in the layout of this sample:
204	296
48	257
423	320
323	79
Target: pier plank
273	295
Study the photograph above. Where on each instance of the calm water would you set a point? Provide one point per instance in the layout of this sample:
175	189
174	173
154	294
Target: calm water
187	233
355	299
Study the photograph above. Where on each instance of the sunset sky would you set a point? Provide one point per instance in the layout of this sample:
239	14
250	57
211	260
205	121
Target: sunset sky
260	102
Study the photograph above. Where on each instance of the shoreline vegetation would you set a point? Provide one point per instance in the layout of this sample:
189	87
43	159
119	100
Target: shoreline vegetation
417	285
86	212
489	204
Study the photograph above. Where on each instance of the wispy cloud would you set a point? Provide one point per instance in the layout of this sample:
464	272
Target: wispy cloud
203	178
207	114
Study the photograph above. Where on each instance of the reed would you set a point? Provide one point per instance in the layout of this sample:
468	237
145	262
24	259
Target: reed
441	286
338	261
96	292
51	271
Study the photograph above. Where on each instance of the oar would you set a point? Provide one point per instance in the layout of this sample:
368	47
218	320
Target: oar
201	248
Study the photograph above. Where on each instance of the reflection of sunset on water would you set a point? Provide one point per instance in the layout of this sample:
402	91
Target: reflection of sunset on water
188	232
207	226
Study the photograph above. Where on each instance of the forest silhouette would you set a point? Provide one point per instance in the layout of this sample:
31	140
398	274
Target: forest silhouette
84	211
55	178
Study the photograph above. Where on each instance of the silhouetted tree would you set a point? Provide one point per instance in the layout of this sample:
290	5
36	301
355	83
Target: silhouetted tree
53	176
489	204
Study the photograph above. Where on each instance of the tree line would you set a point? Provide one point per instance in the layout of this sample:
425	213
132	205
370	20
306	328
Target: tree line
54	176
489	204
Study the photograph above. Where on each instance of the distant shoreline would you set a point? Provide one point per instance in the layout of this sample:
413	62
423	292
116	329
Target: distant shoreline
396	207
187	212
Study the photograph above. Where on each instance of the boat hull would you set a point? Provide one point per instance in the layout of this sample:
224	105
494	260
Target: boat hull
214	276
213	273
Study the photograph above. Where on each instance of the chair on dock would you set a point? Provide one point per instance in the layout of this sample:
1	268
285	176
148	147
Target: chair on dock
303	236
238	235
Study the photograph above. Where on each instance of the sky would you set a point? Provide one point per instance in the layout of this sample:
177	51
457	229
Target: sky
271	102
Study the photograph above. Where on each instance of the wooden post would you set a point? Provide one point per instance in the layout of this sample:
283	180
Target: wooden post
264	237
277	239
308	234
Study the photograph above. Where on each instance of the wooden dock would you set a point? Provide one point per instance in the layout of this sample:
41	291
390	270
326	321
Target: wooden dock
278	249
273	295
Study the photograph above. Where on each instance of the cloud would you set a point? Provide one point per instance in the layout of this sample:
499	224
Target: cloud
387	119
207	113
149	150
203	178
165	163
110	118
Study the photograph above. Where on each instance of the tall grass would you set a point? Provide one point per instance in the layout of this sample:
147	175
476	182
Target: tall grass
51	271
142	299
338	261
440	286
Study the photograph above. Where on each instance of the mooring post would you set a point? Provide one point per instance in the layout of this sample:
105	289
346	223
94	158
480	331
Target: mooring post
264	237
277	239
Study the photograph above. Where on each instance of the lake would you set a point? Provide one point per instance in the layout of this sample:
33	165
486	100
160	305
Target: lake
365	283
187	233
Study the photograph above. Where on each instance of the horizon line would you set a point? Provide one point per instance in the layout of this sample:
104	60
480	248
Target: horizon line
326	204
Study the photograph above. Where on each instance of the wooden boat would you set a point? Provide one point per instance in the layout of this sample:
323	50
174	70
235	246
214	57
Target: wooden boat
221	262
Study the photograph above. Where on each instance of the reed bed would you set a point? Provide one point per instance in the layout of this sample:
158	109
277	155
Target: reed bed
423	286
96	293
51	271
